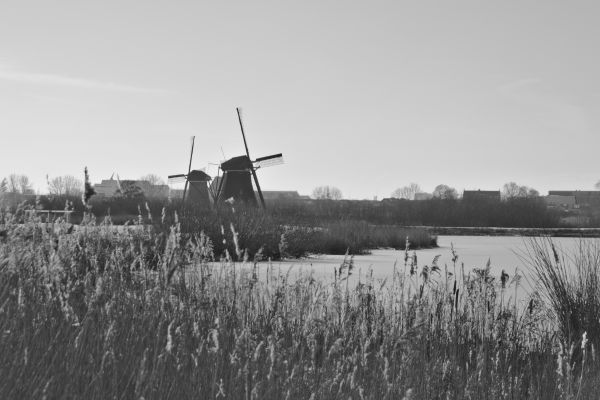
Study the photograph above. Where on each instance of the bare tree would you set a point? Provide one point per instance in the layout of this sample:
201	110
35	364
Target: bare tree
12	185
153	179
597	185
19	184
157	187
66	185
445	192
3	186
407	192
511	190
327	192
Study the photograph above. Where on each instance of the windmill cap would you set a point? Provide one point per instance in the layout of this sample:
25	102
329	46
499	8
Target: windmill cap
198	176
239	163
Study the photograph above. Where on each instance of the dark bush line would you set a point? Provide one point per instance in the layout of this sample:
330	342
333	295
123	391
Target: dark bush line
515	213
298	228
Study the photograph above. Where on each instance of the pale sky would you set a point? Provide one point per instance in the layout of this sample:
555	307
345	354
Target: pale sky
367	96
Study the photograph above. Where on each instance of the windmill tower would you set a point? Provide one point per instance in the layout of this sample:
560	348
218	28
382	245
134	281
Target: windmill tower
238	173
198	194
197	181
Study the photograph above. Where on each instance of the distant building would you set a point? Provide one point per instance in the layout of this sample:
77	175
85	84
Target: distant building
561	192
576	220
561	201
488	195
107	188
583	198
423	196
113	187
270	195
150	190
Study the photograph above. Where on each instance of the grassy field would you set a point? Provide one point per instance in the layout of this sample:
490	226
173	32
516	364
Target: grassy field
101	313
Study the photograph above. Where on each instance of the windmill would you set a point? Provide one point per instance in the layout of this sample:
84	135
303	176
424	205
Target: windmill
197	181
236	182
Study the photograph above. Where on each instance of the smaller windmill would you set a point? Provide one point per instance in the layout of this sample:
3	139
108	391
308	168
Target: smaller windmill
236	181
197	181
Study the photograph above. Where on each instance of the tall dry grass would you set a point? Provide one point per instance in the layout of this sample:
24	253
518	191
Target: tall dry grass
107	312
570	283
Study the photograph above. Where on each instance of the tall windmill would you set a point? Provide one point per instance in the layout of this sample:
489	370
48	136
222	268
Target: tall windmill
197	181
236	182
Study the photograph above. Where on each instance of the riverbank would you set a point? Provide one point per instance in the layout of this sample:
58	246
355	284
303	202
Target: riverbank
250	235
500	231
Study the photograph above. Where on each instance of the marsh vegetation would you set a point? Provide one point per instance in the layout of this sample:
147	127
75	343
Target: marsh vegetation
101	312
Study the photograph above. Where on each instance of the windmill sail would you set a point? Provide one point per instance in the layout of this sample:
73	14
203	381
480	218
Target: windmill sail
238	173
268	161
179	178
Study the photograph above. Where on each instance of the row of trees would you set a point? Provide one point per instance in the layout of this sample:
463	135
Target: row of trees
522	209
66	185
409	192
16	183
510	190
327	193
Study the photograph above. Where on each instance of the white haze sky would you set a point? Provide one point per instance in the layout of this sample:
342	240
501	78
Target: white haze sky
367	96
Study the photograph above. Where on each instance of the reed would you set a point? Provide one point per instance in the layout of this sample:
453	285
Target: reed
110	312
570	284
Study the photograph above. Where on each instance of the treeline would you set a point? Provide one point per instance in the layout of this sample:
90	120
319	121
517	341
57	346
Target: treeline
511	213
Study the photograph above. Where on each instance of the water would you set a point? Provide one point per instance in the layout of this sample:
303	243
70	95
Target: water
503	252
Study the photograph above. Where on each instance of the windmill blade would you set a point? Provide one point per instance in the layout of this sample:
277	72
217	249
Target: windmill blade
189	169
269	161
213	188
179	178
253	170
